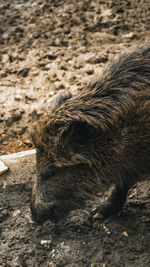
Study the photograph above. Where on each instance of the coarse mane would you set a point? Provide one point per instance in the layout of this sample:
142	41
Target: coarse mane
101	104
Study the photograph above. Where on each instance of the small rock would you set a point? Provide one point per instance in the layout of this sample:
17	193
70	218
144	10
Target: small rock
59	85
28	142
16	213
17	97
51	264
51	93
129	36
89	70
45	243
125	233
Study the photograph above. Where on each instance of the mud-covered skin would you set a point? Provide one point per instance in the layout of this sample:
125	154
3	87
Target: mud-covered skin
100	135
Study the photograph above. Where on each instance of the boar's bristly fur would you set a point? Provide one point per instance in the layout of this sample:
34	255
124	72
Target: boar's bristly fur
100	135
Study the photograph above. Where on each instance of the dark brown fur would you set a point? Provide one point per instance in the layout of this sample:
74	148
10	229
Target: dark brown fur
100	135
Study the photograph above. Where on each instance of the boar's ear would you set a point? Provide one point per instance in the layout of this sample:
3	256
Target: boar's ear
60	99
76	136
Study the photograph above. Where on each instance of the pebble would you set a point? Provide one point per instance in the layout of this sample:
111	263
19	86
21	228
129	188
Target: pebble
59	85
89	70
45	243
16	213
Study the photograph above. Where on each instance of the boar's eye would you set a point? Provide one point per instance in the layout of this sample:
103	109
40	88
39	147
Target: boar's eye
48	174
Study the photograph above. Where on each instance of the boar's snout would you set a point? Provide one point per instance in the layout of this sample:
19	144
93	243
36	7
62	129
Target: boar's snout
42	212
45	206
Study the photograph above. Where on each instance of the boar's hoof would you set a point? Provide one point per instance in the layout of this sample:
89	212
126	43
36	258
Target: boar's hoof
112	205
105	211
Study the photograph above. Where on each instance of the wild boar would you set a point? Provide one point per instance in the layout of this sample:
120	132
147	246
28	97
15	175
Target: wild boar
100	135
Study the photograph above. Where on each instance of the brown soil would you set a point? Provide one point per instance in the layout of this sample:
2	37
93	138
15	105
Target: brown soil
122	240
48	46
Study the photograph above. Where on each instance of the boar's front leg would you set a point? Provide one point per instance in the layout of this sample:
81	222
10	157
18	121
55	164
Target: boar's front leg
113	204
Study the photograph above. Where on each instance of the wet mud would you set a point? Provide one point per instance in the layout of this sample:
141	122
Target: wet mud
123	240
45	47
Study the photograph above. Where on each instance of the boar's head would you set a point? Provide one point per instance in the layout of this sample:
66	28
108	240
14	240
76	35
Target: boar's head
66	153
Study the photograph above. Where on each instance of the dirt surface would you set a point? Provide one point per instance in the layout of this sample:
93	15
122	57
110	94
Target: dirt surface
48	46
123	240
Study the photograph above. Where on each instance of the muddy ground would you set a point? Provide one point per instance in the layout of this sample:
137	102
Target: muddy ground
45	47
122	240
